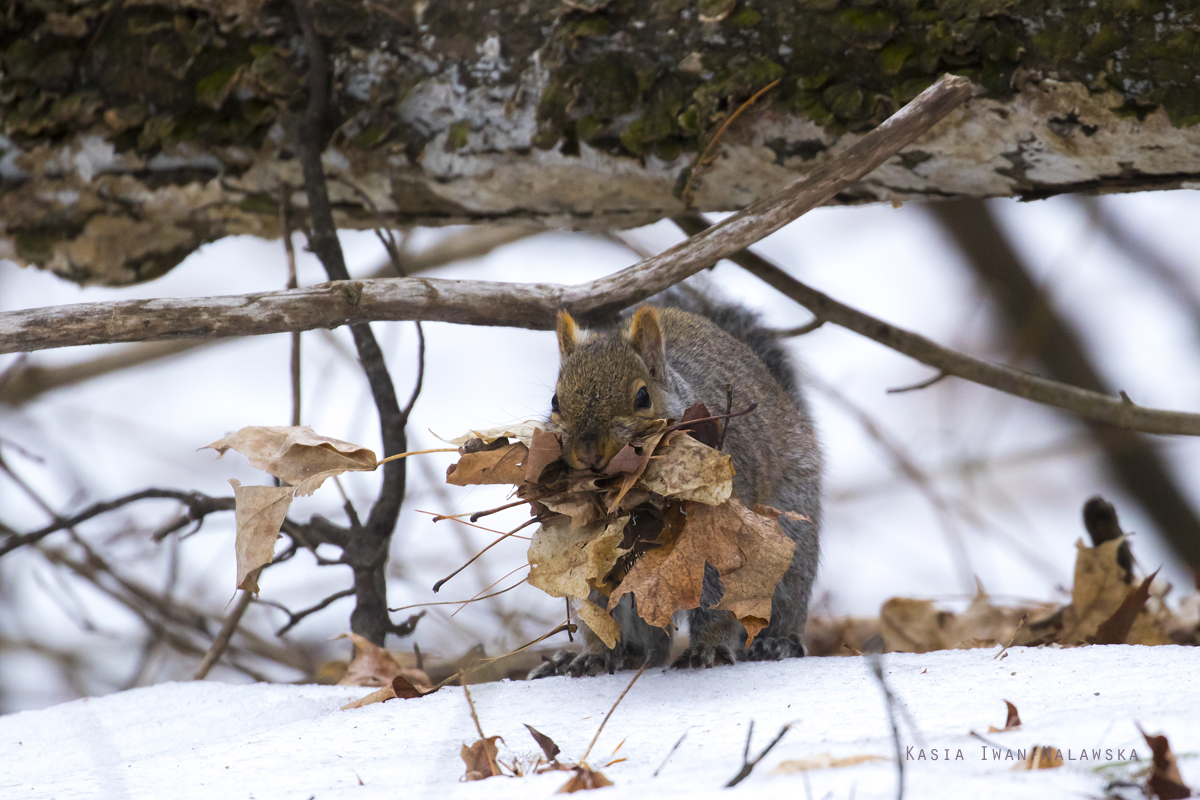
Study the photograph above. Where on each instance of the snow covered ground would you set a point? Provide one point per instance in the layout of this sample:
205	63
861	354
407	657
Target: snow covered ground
212	740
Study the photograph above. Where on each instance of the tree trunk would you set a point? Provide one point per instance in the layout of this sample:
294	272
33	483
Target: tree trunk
136	132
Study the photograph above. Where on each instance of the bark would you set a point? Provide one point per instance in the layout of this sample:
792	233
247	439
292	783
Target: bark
135	132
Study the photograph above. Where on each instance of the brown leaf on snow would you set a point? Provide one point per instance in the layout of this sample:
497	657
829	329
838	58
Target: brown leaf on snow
259	511
545	742
544	449
480	758
1098	592
747	548
1164	781
296	455
1011	723
686	469
822	761
1115	629
584	778
404	687
503	465
372	665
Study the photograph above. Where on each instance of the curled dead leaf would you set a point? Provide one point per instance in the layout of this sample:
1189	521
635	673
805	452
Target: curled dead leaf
501	465
747	548
480	758
1012	722
373	665
1115	629
259	512
545	448
545	742
686	469
566	561
521	431
1164	781
296	455
403	687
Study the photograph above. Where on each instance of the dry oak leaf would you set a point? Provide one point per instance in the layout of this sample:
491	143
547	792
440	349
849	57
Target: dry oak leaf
373	665
1115	629
822	761
747	548
259	512
706	430
581	507
296	455
686	469
1098	592
503	465
1012	722
480	758
401	687
521	431
584	778
544	449
545	742
1164	781
567	561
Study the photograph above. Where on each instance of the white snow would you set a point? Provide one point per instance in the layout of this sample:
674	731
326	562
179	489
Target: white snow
211	740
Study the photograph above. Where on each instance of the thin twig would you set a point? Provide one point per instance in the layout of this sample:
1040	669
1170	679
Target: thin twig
294	617
749	764
461	602
925	384
875	660
670	753
583	758
471	705
473	558
221	643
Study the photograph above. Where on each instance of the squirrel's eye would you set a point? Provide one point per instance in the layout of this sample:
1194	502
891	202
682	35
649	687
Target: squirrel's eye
642	401
554	403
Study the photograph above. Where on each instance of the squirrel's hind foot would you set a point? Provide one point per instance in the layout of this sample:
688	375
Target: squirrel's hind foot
774	648
703	656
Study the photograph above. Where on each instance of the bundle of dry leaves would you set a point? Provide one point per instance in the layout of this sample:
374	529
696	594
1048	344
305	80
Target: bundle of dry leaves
646	525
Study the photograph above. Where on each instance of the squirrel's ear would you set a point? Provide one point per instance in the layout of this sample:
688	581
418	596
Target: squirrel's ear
569	334
645	335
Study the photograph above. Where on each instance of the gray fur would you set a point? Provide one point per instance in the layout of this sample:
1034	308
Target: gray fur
777	462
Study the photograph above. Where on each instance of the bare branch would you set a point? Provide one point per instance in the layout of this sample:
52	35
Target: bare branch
345	302
1088	404
198	505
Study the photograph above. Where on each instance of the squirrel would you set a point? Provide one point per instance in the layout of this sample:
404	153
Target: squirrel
680	348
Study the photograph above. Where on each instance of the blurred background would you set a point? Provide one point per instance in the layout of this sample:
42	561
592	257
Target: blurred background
930	493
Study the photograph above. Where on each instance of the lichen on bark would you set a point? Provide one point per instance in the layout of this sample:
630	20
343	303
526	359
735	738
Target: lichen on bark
133	133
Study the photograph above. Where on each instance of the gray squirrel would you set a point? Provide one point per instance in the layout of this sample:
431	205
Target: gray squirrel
680	348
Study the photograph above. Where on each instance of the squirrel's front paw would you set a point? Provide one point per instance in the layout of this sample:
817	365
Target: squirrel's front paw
703	656
774	648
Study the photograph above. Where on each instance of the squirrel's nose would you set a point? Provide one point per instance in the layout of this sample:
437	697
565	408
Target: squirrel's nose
589	456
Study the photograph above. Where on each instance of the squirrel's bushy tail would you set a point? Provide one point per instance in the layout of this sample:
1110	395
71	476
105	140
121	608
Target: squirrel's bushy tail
698	297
